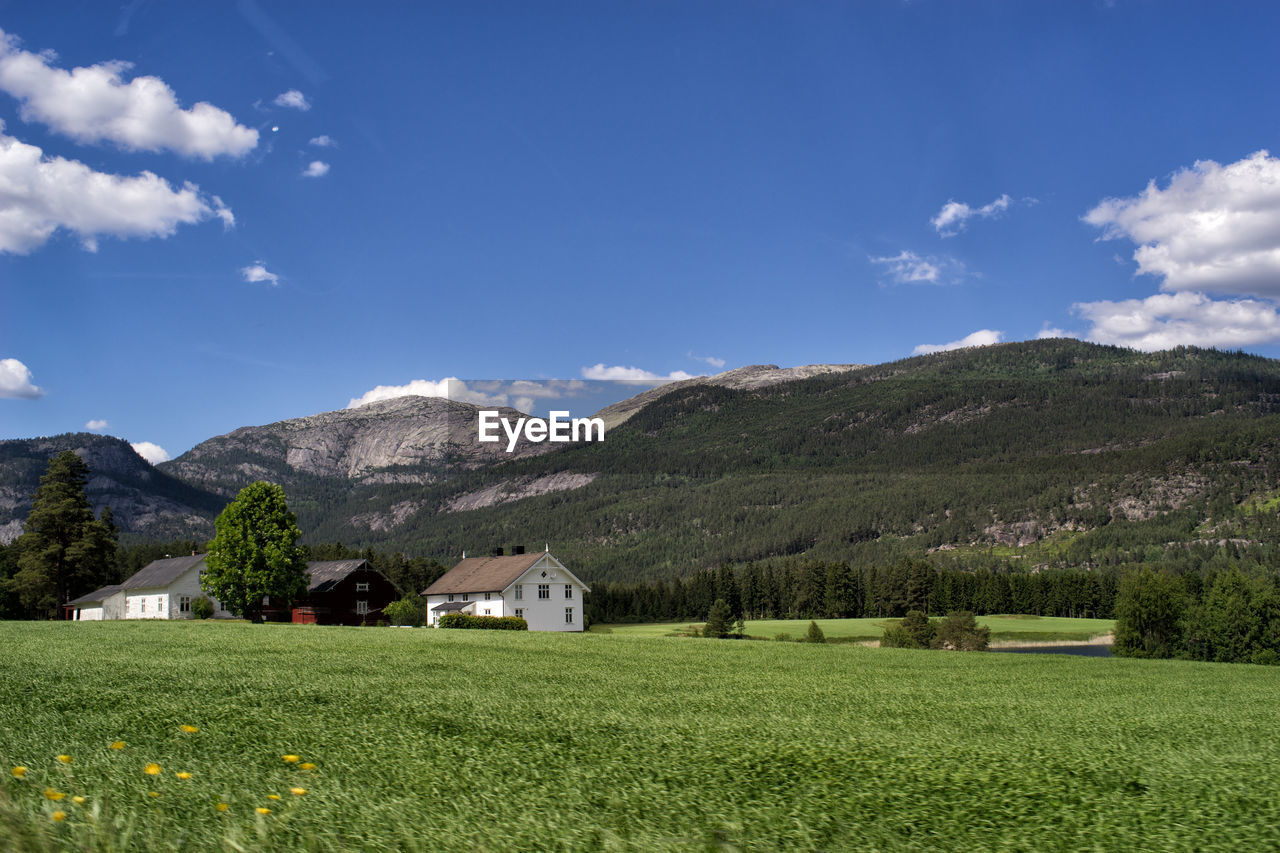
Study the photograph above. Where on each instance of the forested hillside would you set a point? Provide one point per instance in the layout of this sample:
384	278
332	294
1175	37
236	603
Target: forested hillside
1047	453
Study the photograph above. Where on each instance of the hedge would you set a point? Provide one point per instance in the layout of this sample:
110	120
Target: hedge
492	623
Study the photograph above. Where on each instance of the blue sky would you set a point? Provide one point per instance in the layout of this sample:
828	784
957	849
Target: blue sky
221	214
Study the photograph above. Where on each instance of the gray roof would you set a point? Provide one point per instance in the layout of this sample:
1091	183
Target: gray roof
97	595
325	575
451	606
162	572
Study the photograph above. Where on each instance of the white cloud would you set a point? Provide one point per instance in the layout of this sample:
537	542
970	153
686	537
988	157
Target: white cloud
257	271
316	169
293	99
1168	320
153	453
953	217
1213	229
980	338
708	359
95	425
40	194
631	374
518	393
94	103
324	141
1054	332
15	380
907	268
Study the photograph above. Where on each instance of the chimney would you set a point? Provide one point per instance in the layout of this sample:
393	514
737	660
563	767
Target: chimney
497	552
517	550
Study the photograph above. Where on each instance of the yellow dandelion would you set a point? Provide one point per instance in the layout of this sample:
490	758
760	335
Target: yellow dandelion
59	816
222	807
65	759
78	800
183	775
119	744
262	810
291	759
50	794
153	793
189	729
273	796
298	791
19	772
152	770
307	765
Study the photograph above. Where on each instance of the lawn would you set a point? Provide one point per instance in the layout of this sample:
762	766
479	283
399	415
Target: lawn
471	740
1003	628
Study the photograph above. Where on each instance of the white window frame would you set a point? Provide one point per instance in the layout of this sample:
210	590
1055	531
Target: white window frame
519	592
362	586
544	591
519	612
568	616
362	607
568	592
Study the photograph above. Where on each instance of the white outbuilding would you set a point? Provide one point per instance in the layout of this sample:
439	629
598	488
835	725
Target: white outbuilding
535	587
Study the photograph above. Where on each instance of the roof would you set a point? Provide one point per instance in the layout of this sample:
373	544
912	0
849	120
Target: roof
325	575
451	606
97	595
162	572
483	574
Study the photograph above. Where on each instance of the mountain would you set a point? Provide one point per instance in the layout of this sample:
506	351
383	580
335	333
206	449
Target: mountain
146	502
1037	454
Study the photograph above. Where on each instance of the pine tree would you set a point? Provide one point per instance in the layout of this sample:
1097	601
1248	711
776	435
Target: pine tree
63	551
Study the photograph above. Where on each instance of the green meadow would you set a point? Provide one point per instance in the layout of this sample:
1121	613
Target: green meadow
472	740
1031	629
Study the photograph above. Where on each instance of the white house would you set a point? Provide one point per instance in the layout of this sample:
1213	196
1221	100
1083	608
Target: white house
163	589
536	587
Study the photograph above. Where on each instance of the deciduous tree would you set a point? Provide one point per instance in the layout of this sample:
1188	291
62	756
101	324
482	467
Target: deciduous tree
255	552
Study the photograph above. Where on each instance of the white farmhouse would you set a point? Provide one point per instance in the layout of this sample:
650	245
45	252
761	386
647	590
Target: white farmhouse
163	589
535	587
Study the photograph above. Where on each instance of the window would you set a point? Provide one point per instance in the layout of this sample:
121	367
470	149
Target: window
142	602
568	616
160	603
486	598
184	604
451	596
362	607
519	592
544	590
519	612
488	612
362	587
465	595
568	590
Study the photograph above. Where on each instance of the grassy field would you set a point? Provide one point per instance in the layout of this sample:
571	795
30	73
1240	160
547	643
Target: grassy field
1003	628
471	740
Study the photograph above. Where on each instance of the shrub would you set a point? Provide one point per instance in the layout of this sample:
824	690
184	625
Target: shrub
897	637
960	632
410	610
814	634
202	607
491	623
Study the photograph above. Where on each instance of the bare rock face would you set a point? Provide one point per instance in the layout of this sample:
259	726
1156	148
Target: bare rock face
403	440
742	378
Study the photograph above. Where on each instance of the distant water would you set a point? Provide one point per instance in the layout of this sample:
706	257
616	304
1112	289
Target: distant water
1086	651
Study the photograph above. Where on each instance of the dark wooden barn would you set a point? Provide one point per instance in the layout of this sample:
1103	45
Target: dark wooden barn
344	592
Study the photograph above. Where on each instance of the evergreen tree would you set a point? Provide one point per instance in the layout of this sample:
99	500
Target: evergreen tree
717	620
255	552
814	634
63	551
1149	610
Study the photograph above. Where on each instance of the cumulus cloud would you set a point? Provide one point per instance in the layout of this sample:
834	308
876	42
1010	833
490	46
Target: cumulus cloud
94	103
907	267
631	374
293	99
15	380
39	195
257	271
1212	229
953	217
980	338
1168	320
95	425
324	141
316	169
153	453
1054	332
